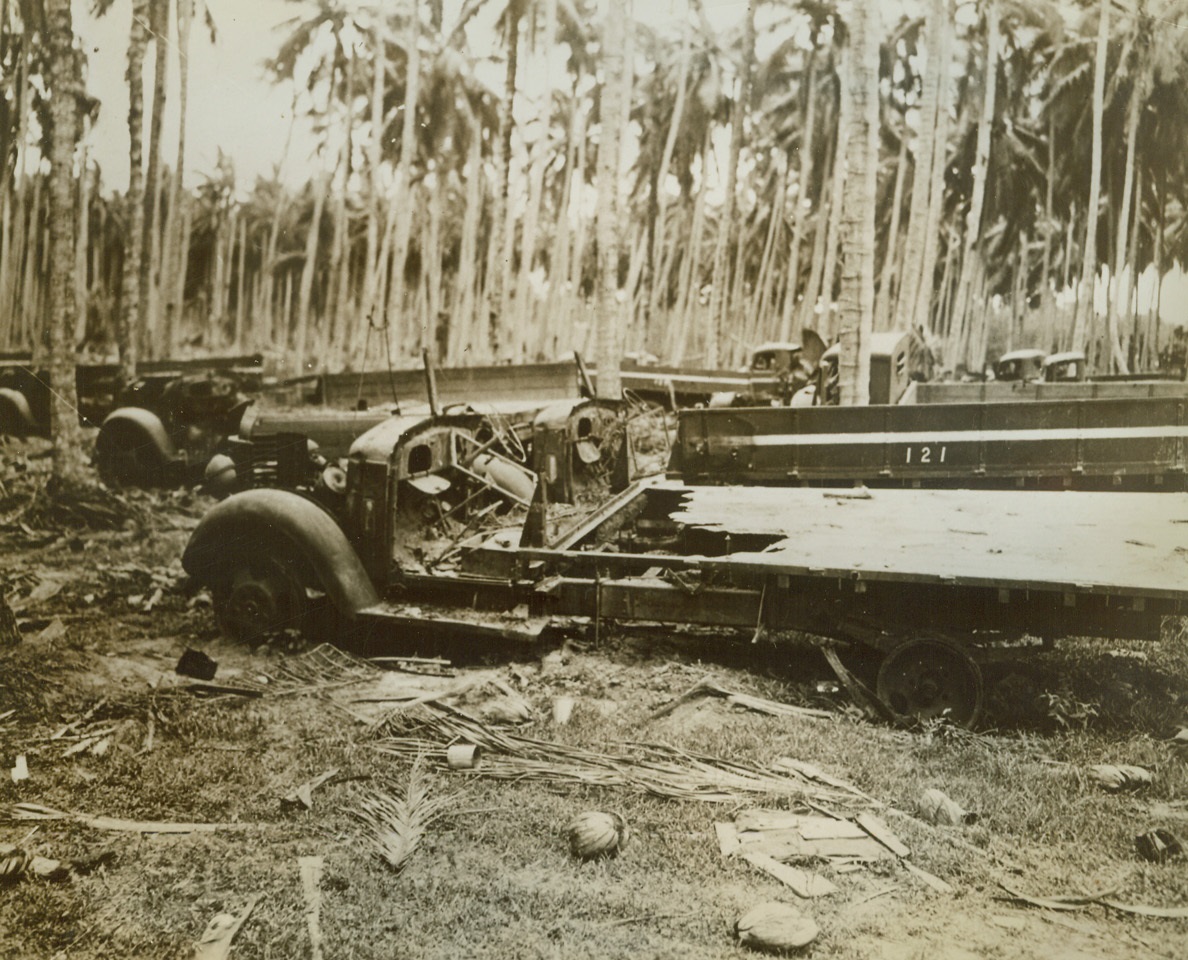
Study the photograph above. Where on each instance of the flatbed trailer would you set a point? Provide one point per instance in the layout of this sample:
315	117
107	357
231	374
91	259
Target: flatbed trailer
1135	443
925	579
994	391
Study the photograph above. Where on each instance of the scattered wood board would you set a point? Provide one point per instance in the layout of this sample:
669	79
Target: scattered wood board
728	842
801	882
881	832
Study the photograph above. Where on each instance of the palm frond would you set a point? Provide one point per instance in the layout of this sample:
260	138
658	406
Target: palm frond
395	821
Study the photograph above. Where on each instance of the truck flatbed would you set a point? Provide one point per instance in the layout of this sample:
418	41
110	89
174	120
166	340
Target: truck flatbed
1134	544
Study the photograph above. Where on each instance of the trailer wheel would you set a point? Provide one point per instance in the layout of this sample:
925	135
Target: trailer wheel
260	597
925	679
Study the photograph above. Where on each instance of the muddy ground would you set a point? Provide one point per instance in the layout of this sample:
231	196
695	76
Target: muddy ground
106	727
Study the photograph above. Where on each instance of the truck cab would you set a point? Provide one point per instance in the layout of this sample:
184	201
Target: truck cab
1066	367
1020	366
897	359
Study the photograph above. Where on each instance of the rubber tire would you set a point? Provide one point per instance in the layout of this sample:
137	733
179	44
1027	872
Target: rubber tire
124	457
931	678
260	597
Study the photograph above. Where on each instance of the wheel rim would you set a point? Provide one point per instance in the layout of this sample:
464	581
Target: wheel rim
260	600
930	679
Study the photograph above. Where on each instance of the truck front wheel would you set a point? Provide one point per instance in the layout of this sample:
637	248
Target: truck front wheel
259	598
927	679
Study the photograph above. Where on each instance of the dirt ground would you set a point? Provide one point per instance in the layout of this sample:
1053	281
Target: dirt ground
91	706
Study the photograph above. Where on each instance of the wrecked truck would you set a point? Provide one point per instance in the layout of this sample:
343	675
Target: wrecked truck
920	581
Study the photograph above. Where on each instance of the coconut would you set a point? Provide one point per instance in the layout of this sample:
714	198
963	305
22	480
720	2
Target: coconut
597	834
13	862
775	927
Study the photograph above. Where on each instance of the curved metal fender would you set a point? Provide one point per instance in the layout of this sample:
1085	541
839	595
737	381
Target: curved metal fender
144	422
18	405
280	520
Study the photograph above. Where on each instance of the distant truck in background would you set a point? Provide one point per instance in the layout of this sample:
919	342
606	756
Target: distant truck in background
897	360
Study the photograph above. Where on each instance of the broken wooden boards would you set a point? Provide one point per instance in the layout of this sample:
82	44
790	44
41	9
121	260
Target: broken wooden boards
767	839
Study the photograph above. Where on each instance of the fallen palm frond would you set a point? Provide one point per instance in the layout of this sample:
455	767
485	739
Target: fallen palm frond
395	824
321	668
35	811
658	769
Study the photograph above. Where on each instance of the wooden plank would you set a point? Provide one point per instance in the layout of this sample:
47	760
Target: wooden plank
801	882
775	823
728	842
1079	542
935	882
795	847
881	832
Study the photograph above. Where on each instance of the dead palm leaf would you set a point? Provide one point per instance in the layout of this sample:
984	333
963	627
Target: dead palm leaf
396	823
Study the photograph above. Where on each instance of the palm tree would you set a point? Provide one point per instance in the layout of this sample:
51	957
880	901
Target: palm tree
858	206
65	78
1089	255
923	155
610	333
128	326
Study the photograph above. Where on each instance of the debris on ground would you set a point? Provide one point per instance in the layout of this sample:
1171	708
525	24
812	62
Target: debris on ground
707	687
396	820
775	927
562	710
800	882
1158	845
1080	902
654	768
594	834
787	835
939	808
35	811
1120	776
302	796
310	869
215	943
196	664
16	863
20	769
430	666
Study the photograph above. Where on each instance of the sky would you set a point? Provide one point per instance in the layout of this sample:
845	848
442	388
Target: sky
232	105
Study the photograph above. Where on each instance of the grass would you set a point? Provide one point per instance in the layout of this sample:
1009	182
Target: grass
493	876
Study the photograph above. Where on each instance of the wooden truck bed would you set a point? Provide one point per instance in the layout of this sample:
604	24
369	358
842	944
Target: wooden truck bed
1133	544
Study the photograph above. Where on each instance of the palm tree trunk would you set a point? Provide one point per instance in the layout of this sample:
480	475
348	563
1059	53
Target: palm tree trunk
404	192
81	240
462	325
970	260
661	256
308	269
609	347
913	258
837	199
1115	306
374	207
1089	254
69	461
241	288
800	209
175	240
150	265
883	299
922	309
718	297
858	206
